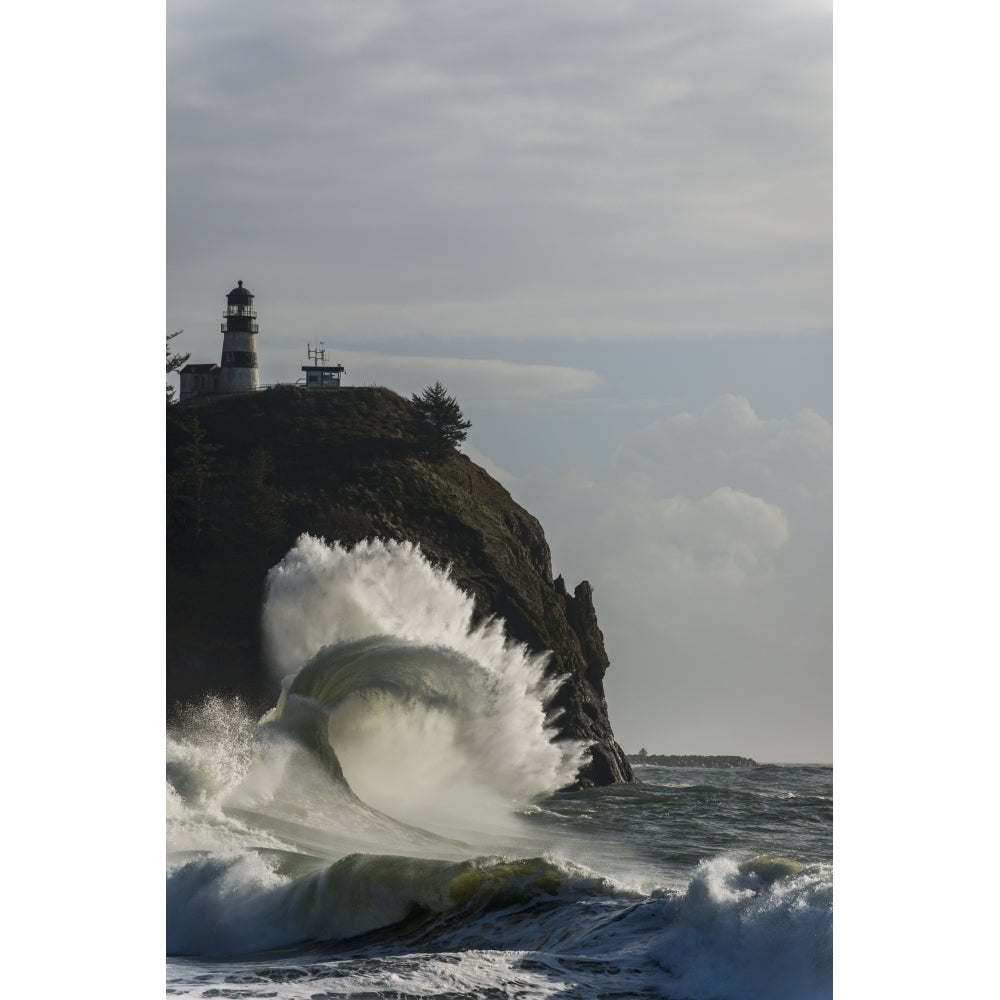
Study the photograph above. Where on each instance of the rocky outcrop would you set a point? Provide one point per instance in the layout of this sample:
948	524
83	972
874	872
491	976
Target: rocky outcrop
248	474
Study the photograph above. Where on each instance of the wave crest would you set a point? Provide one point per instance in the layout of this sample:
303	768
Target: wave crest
420	703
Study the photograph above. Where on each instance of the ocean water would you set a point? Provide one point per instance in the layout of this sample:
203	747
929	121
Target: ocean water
394	827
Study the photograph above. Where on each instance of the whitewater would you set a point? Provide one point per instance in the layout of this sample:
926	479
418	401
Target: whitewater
400	825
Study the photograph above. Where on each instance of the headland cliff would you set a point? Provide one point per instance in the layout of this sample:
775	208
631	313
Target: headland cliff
248	474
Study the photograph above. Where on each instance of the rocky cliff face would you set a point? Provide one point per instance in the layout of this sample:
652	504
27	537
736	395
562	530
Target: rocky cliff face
248	474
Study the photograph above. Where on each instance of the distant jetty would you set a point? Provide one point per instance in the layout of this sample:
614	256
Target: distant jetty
689	760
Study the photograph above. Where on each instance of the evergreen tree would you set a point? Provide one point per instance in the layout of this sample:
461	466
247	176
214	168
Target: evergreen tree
174	362
446	423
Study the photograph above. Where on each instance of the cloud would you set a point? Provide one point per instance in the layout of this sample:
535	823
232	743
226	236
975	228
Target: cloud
466	378
723	487
728	444
628	532
505	169
709	548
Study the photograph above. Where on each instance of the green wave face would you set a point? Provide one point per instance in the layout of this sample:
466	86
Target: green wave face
436	677
505	883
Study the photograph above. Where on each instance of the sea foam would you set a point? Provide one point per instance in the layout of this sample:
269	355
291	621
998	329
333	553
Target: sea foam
426	709
402	729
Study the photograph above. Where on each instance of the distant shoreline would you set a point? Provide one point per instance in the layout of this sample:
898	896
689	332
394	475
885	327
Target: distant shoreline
689	760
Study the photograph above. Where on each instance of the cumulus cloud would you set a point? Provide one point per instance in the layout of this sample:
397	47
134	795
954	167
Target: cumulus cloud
709	548
713	488
729	444
628	530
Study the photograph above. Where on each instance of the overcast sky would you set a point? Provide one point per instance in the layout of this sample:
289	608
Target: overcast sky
520	185
606	228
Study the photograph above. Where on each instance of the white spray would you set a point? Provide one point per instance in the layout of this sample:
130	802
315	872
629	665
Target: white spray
438	716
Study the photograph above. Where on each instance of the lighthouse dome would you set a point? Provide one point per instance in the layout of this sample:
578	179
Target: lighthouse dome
240	294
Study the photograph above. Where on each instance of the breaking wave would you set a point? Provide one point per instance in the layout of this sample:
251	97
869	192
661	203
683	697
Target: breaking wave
386	799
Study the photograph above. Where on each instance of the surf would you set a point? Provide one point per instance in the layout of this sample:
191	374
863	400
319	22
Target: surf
403	729
404	809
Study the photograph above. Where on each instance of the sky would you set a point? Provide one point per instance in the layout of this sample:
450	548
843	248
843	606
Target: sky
572	208
607	229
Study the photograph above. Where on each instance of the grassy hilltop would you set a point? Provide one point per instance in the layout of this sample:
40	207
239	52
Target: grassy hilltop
247	474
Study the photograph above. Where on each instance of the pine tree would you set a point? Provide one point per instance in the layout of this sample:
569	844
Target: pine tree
446	423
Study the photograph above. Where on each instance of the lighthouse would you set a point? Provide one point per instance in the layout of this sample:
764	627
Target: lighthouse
239	343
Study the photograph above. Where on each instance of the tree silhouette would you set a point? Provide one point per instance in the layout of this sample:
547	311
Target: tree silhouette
174	362
446	423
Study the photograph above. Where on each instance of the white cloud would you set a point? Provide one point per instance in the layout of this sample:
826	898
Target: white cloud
722	488
728	444
465	378
709	548
627	530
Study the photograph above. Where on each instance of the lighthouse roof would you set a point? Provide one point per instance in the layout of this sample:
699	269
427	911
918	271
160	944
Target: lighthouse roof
240	294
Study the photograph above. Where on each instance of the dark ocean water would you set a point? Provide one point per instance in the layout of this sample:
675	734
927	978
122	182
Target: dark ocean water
392	828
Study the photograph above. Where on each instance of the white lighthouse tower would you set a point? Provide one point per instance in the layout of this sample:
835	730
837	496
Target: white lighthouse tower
239	343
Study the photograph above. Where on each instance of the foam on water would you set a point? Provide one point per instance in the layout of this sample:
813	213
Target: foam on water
761	930
427	712
389	794
400	724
